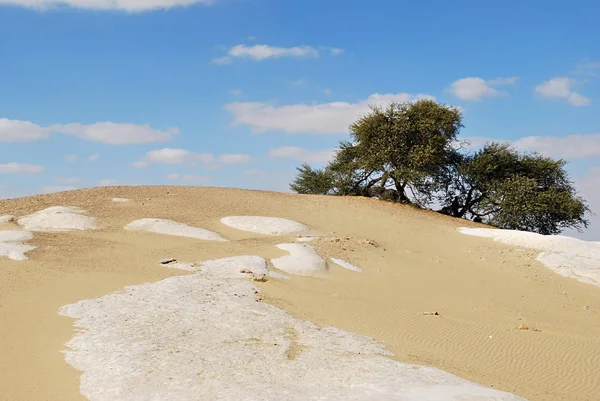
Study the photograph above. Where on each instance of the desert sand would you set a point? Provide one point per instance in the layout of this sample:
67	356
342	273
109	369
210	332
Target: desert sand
504	320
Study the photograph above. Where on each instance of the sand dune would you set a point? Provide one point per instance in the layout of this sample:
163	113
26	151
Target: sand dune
569	257
413	262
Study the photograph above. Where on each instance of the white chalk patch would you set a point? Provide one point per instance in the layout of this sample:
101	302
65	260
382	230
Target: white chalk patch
233	267
58	218
264	225
346	265
121	200
7	219
169	227
305	239
204	337
302	260
569	257
11	247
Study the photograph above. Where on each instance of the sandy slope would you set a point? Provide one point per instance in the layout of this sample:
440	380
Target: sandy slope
414	262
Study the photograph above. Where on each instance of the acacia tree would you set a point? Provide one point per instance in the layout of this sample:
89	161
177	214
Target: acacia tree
393	151
506	189
406	144
407	153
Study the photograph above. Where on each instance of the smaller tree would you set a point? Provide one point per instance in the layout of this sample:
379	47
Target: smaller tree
506	189
312	181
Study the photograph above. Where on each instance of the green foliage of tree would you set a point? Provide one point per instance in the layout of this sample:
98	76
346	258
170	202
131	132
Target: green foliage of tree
407	153
405	144
506	189
312	181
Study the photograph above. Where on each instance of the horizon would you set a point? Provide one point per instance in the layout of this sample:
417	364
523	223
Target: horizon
239	93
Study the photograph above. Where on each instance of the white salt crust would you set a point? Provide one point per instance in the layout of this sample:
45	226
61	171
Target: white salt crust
567	256
58	218
305	239
233	266
301	261
204	336
6	219
346	265
169	227
265	225
11	247
121	200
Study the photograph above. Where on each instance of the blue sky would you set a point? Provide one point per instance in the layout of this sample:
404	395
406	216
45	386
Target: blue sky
239	92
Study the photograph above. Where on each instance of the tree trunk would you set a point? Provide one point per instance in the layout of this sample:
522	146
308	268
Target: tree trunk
401	189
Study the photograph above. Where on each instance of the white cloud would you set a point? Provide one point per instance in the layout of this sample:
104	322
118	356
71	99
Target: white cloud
569	147
66	180
21	131
236	92
336	51
234	158
264	52
124	5
169	156
75	158
107	182
475	88
188	178
324	118
116	133
503	81
327	92
560	88
182	156
18	168
106	132
173	156
303	155
587	68
56	188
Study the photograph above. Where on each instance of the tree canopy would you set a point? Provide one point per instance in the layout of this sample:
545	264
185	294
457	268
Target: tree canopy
410	152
